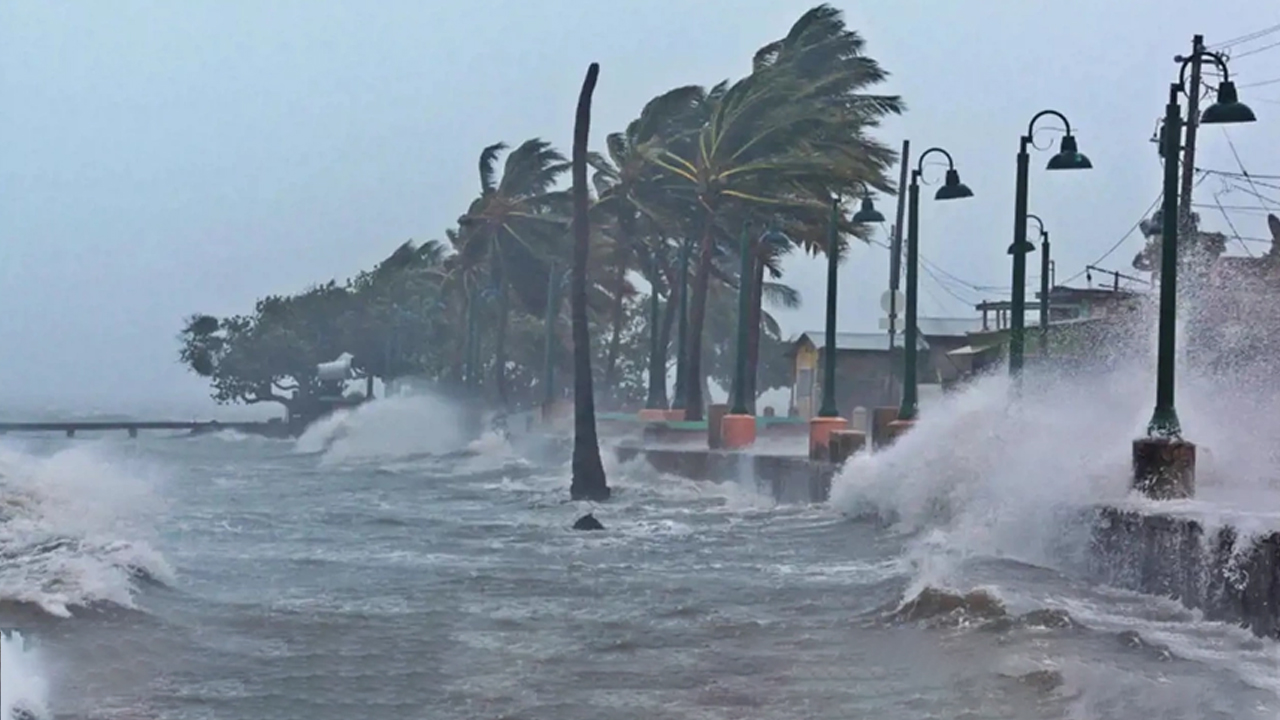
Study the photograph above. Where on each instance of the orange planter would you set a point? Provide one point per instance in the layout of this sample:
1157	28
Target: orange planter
820	435
738	431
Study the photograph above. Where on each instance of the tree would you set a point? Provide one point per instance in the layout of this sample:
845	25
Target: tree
589	481
515	226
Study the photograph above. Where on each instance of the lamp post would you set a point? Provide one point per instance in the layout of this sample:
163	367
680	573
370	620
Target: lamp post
828	417
738	428
1067	158
1164	464
656	402
1044	285
952	189
682	331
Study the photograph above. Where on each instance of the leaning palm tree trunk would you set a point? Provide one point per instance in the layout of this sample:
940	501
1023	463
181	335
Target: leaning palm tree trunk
589	482
753	334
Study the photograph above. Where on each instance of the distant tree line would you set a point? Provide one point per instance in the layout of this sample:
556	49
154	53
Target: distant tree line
698	169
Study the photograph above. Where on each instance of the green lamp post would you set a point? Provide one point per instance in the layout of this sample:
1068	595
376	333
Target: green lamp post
1067	158
746	274
682	327
866	214
1044	285
657	395
952	189
1164	463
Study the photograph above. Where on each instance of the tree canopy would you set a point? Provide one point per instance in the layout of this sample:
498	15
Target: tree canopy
484	309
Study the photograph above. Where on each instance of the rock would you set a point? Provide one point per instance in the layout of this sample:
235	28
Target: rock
588	522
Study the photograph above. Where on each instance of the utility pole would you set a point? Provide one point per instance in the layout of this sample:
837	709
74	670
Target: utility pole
895	255
1186	231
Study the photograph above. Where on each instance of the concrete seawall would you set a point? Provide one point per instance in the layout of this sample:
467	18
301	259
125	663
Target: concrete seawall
785	478
1227	578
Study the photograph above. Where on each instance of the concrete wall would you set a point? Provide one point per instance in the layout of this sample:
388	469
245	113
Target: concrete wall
1228	579
786	478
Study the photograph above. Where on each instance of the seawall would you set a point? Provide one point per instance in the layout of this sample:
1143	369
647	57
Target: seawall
1227	577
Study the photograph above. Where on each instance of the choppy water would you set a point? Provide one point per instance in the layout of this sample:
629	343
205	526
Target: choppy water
356	574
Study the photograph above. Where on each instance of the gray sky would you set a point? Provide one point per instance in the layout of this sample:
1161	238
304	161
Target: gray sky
161	158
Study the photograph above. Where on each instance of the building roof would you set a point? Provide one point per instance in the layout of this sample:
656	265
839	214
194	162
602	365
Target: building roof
855	342
948	327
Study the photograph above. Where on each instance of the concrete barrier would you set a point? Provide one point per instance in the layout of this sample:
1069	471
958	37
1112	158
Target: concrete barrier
787	479
1226	577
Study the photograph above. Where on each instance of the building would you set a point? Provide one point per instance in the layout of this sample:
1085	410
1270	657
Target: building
1088	327
868	370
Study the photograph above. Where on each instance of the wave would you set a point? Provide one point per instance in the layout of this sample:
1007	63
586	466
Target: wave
23	690
75	529
398	427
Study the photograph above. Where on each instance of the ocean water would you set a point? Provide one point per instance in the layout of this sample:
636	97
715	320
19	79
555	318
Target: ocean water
382	566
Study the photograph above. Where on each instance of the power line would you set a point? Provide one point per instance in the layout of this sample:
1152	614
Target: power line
1255	51
1245	38
1124	237
1260	83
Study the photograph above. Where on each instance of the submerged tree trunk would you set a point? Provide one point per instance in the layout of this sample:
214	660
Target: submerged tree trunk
693	404
753	334
589	481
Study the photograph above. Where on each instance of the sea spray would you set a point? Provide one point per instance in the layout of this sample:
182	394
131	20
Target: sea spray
22	687
77	527
397	427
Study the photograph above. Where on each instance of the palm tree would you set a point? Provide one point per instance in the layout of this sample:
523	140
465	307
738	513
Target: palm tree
516	225
785	139
632	194
589	481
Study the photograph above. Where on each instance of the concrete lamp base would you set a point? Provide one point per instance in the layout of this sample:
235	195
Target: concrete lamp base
1164	469
845	443
879	425
897	429
820	429
738	431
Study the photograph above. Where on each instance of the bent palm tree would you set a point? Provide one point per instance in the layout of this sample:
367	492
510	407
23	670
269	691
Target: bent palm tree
589	481
515	226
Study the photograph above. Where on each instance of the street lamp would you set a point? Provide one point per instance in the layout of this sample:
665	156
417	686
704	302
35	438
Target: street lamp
1045	286
656	401
952	189
1067	158
682	332
1164	464
828	417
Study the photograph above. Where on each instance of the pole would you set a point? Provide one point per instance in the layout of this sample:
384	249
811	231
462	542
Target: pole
682	327
895	257
1164	421
548	358
746	276
828	408
1045	289
469	376
1185	228
657	399
1018	304
909	409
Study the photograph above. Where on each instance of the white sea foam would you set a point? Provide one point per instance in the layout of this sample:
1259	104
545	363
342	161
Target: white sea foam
389	428
76	527
22	684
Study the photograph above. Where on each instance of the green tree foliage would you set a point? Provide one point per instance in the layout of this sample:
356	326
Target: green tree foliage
700	163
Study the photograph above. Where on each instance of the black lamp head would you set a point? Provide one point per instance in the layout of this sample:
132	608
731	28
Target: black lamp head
1228	108
1069	156
953	189
868	213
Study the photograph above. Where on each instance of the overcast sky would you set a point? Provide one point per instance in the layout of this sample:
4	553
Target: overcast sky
161	158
